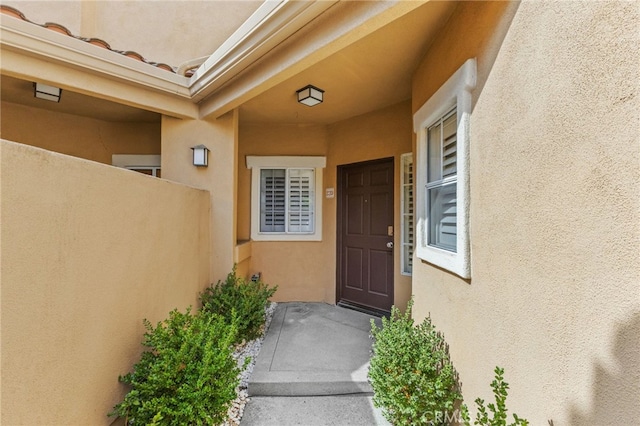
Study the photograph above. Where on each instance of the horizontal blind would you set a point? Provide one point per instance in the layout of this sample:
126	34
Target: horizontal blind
449	147
442	182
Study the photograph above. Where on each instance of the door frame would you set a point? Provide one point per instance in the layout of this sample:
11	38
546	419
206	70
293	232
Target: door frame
340	224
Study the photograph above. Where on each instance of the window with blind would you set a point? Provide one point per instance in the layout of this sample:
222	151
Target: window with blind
442	182
286	198
442	173
406	213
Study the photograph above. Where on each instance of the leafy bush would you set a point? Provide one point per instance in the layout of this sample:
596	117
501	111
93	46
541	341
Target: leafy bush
411	374
498	410
187	377
245	299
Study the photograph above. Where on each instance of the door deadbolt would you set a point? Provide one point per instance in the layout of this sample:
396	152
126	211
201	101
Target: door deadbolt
390	244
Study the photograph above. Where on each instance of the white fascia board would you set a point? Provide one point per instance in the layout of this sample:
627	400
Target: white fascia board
41	42
272	23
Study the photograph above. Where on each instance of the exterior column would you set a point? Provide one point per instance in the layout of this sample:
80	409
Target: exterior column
220	136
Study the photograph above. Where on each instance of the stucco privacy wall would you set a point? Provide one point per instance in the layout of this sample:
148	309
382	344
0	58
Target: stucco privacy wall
88	251
78	136
307	270
555	212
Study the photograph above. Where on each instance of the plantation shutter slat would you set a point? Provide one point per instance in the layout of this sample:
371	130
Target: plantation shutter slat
300	203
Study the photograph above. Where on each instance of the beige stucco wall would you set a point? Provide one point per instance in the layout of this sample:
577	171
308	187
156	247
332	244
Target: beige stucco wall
168	31
88	251
307	270
301	269
219	178
78	136
554	296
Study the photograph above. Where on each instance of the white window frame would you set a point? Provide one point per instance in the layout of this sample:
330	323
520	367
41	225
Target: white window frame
407	249
257	164
455	92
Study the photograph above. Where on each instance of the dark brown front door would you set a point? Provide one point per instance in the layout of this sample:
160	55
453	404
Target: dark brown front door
365	234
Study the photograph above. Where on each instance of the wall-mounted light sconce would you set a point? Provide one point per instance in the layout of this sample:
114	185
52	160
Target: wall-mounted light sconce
310	95
200	156
44	91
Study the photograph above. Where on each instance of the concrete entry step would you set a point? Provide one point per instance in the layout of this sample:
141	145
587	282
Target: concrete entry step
314	349
345	410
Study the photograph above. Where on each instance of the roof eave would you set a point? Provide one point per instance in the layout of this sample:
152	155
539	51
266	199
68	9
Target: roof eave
271	24
49	46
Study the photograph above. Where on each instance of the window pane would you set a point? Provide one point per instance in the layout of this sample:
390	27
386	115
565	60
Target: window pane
301	196
272	200
443	216
434	135
449	146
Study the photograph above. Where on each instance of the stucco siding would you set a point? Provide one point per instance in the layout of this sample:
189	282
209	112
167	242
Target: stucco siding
554	294
299	268
88	251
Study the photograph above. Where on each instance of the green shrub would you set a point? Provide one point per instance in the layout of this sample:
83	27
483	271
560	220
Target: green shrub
498	410
245	299
411	374
187	376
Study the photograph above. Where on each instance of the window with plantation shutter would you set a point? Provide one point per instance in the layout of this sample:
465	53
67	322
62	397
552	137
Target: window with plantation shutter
442	174
286	200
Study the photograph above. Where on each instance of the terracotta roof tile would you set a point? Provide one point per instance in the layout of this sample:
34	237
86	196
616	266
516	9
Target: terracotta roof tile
8	10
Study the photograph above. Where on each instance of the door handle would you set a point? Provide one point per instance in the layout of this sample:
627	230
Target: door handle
390	244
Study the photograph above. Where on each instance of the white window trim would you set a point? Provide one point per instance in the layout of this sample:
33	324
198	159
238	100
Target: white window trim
455	92
257	163
138	162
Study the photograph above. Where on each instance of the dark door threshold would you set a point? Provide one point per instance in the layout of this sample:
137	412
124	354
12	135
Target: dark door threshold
364	309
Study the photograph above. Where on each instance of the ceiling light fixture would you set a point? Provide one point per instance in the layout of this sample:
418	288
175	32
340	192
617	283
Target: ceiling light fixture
310	95
49	93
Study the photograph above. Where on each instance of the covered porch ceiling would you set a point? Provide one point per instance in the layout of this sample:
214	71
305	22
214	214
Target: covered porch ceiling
372	72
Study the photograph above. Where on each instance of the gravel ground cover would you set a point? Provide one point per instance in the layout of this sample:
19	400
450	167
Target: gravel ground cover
242	352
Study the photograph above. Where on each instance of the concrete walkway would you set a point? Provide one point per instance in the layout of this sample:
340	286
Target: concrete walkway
312	369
